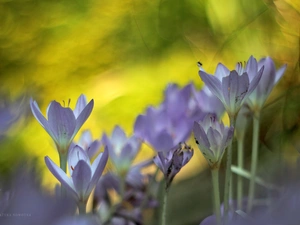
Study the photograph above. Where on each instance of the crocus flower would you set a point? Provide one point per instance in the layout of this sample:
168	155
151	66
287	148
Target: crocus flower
268	80
87	143
84	175
230	87
157	129
171	162
212	138
63	123
208	103
122	150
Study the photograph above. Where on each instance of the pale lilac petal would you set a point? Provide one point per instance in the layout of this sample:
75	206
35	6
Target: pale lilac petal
97	169
75	155
93	148
140	125
82	117
251	67
163	142
215	140
213	83
118	138
62	122
60	175
279	73
200	135
255	81
40	118
128	153
160	162
85	139
80	105
221	71
81	178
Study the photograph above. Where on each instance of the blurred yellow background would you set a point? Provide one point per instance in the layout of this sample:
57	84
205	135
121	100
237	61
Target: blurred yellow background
123	53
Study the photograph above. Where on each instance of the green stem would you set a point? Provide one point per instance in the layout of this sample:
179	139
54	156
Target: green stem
63	166
63	161
164	209
240	143
256	119
81	207
228	172
216	197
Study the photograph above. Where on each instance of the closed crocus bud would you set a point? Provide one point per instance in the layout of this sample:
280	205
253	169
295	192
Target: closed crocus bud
122	149
212	139
170	162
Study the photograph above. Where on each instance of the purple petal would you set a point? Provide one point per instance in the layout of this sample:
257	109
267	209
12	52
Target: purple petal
215	140
97	169
40	118
234	89
85	113
62	122
75	155
255	81
140	126
60	175
160	162
118	139
80	105
221	71
251	67
200	135
81	178
128	153
279	73
93	148
213	83
163	142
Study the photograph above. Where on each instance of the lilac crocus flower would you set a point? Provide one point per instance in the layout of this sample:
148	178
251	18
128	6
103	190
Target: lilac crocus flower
212	138
268	80
87	143
157	129
63	123
208	103
84	175
230	87
122	150
171	162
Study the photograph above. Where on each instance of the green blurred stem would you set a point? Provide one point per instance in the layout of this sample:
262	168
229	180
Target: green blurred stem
81	207
228	172
216	197
63	161
240	142
63	166
256	120
164	208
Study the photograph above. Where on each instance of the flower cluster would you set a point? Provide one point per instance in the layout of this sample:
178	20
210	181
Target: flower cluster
123	188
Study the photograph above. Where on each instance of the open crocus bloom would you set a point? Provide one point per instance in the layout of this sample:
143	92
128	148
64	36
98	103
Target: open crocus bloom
268	80
63	123
231	87
84	175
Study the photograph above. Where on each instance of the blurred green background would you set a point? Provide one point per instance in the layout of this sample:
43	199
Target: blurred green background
123	53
